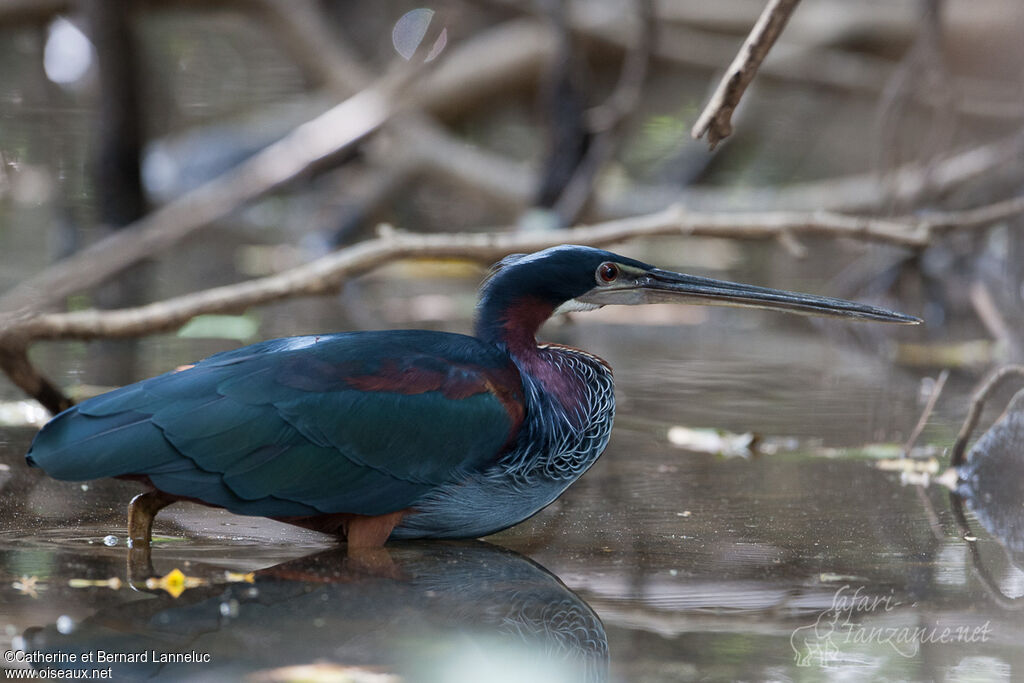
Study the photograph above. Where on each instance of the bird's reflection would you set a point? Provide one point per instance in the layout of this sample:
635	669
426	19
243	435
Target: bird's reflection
991	484
420	611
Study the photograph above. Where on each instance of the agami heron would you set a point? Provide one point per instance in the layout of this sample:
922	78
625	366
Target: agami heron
393	434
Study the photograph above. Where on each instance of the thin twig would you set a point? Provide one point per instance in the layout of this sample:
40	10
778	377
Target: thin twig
511	182
489	62
716	119
790	61
923	68
982	215
482	65
990	315
607	121
635	64
863	192
929	407
958	455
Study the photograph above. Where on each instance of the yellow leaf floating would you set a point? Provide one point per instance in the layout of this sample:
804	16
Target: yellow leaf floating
238	577
175	582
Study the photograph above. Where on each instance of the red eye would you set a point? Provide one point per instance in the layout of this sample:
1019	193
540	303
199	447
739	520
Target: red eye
607	272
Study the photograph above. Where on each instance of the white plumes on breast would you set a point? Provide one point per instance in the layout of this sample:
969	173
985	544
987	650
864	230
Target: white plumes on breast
559	445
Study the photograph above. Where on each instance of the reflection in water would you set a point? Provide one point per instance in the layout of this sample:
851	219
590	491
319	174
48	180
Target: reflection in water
425	612
991	483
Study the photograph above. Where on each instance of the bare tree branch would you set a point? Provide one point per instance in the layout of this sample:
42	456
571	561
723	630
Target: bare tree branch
307	38
324	136
716	119
608	120
977	217
277	164
958	454
861	192
16	365
329	272
510	182
812	64
635	64
491	62
991	317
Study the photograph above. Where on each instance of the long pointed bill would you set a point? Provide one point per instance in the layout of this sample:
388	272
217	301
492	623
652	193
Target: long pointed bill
663	286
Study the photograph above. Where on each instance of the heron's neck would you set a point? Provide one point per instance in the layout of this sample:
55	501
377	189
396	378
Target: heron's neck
513	324
514	327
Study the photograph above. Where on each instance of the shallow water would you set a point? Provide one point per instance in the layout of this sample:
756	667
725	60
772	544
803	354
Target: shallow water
659	564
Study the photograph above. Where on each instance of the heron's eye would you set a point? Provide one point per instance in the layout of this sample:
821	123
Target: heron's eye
607	272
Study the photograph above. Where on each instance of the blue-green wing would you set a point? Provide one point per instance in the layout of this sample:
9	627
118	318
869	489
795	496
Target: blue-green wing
362	423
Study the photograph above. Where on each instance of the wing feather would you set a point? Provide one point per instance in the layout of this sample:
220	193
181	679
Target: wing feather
364	423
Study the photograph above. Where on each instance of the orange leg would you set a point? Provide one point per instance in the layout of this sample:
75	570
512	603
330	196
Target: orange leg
371	532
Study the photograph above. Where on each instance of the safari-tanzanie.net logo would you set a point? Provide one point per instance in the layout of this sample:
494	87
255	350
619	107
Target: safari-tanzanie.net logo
852	621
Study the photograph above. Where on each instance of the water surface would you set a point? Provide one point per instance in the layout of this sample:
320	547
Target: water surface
660	564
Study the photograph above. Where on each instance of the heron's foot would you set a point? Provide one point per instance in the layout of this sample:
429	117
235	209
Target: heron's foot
141	512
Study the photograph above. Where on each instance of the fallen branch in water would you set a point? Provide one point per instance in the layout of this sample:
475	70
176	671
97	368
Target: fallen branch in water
716	120
958	455
323	137
328	273
929	408
329	133
16	365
